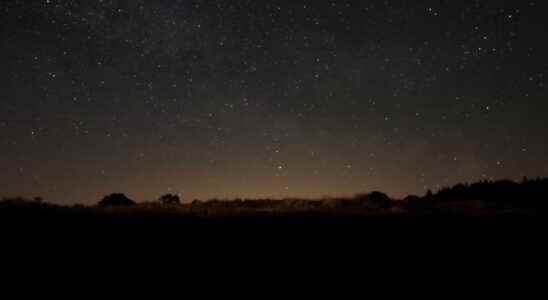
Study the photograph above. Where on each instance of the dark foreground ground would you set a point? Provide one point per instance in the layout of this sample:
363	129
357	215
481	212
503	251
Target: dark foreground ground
288	249
496	222
309	230
277	254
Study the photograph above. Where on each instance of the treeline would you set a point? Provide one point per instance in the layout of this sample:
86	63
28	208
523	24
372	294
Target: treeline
500	195
481	197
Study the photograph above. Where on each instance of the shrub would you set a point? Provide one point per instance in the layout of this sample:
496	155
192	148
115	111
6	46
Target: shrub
170	199
116	200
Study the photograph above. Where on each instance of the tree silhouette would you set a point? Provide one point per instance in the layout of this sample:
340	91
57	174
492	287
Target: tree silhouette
375	200
116	200
169	199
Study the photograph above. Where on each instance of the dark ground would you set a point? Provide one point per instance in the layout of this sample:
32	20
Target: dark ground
275	253
503	225
402	232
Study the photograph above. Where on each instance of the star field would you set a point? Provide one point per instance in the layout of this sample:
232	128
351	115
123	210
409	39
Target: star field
268	99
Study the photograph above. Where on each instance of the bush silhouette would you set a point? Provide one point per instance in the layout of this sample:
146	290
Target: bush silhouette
116	200
375	200
169	199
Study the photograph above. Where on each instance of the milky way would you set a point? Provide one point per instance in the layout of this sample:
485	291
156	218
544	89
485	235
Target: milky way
268	98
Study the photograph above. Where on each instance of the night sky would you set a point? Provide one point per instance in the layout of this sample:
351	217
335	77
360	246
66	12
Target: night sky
268	98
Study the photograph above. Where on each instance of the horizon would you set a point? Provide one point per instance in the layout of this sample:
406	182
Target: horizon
188	200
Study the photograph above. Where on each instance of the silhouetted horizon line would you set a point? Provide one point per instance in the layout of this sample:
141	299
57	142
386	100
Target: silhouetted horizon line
186	201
